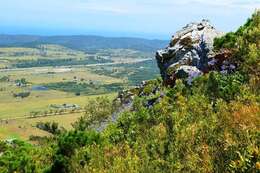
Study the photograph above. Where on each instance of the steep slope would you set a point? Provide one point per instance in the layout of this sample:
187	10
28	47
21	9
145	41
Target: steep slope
208	125
244	45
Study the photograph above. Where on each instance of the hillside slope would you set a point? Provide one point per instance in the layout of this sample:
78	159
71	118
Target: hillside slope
208	125
83	43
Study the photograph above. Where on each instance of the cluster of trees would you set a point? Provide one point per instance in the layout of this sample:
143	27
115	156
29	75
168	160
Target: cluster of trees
52	112
21	82
85	88
51	127
5	79
22	94
59	62
210	126
135	73
96	111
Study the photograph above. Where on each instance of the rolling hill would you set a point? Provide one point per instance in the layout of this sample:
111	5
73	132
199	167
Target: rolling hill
83	42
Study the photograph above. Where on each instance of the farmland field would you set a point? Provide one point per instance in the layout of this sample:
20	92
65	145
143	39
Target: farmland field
34	81
24	128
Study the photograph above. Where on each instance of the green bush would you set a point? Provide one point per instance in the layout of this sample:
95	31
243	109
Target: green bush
96	111
224	86
67	144
210	126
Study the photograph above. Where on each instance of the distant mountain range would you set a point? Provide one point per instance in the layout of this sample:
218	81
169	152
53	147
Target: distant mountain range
83	42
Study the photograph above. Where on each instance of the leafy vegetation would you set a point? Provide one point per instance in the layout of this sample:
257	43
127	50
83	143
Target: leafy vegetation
51	127
4	79
96	111
245	43
85	88
58	62
21	82
22	94
44	55
134	73
209	126
18	156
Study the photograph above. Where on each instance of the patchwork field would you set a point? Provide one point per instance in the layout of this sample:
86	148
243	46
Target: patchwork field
52	83
25	128
42	75
16	121
56	55
15	112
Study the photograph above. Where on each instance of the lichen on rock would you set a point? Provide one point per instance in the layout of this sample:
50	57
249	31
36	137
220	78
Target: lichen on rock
190	51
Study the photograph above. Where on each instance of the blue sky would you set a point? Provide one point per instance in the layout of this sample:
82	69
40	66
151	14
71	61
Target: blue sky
139	18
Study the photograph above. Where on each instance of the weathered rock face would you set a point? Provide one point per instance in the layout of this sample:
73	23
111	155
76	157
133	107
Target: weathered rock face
188	53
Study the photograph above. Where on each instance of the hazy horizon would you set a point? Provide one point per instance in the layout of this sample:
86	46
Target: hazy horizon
144	19
112	34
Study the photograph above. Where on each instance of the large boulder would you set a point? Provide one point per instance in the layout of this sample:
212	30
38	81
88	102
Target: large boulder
189	52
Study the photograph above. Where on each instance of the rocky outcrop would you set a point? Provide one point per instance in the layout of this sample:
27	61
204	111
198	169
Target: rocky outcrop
189	55
189	52
149	88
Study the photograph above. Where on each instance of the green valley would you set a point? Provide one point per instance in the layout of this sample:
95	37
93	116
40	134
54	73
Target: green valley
33	78
82	104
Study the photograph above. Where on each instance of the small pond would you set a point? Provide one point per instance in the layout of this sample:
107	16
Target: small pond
39	88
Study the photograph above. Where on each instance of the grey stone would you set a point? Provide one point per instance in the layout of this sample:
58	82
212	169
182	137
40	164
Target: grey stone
188	73
191	46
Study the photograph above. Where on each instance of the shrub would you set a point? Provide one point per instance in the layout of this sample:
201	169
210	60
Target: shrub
51	127
224	86
96	111
22	94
